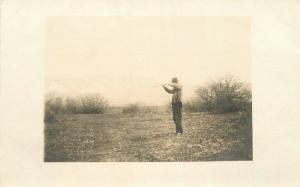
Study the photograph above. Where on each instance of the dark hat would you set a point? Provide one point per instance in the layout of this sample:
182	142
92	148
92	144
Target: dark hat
175	79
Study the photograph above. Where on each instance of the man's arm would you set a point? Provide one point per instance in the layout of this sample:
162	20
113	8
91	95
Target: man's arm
175	86
170	91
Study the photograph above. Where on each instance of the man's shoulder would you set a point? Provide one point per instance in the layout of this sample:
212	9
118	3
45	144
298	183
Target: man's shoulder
176	85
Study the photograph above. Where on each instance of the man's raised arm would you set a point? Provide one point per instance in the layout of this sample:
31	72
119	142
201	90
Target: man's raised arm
175	86
170	91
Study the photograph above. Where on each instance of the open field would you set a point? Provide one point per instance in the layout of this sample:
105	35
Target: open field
148	135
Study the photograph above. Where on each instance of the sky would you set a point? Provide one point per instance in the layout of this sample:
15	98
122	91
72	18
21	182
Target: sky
126	59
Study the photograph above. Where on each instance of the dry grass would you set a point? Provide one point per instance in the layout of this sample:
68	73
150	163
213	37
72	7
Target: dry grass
147	136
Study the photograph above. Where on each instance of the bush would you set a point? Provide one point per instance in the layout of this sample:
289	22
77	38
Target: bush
72	105
87	104
225	94
53	106
49	116
92	104
131	109
193	105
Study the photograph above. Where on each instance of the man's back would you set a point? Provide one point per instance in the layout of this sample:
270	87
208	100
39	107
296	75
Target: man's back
177	92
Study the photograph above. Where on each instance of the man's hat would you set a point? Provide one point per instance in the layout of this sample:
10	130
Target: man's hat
175	79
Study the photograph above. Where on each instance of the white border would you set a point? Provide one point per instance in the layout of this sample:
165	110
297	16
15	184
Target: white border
276	91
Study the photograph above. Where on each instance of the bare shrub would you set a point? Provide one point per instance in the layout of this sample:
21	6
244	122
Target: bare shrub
225	94
72	105
131	109
193	105
49	116
87	104
53	107
92	104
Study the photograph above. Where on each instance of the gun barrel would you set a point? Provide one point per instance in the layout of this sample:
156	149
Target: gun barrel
157	85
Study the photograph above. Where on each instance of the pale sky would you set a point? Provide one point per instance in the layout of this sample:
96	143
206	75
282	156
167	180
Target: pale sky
126	58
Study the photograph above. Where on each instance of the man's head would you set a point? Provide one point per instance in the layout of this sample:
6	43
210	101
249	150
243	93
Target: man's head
175	80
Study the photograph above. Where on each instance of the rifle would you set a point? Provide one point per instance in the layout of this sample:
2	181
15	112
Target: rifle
160	85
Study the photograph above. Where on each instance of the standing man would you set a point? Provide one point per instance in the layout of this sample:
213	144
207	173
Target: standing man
176	89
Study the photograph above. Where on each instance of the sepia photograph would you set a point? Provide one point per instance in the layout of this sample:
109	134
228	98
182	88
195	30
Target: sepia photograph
149	93
147	89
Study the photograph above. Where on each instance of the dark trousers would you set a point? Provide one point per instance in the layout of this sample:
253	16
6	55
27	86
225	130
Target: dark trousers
176	107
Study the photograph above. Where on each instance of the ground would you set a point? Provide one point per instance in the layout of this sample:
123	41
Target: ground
148	135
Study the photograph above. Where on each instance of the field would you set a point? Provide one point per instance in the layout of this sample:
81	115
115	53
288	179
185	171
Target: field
148	135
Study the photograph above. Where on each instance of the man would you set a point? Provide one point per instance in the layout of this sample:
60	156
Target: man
176	89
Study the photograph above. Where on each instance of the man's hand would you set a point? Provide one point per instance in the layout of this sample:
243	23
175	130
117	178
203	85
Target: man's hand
167	89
